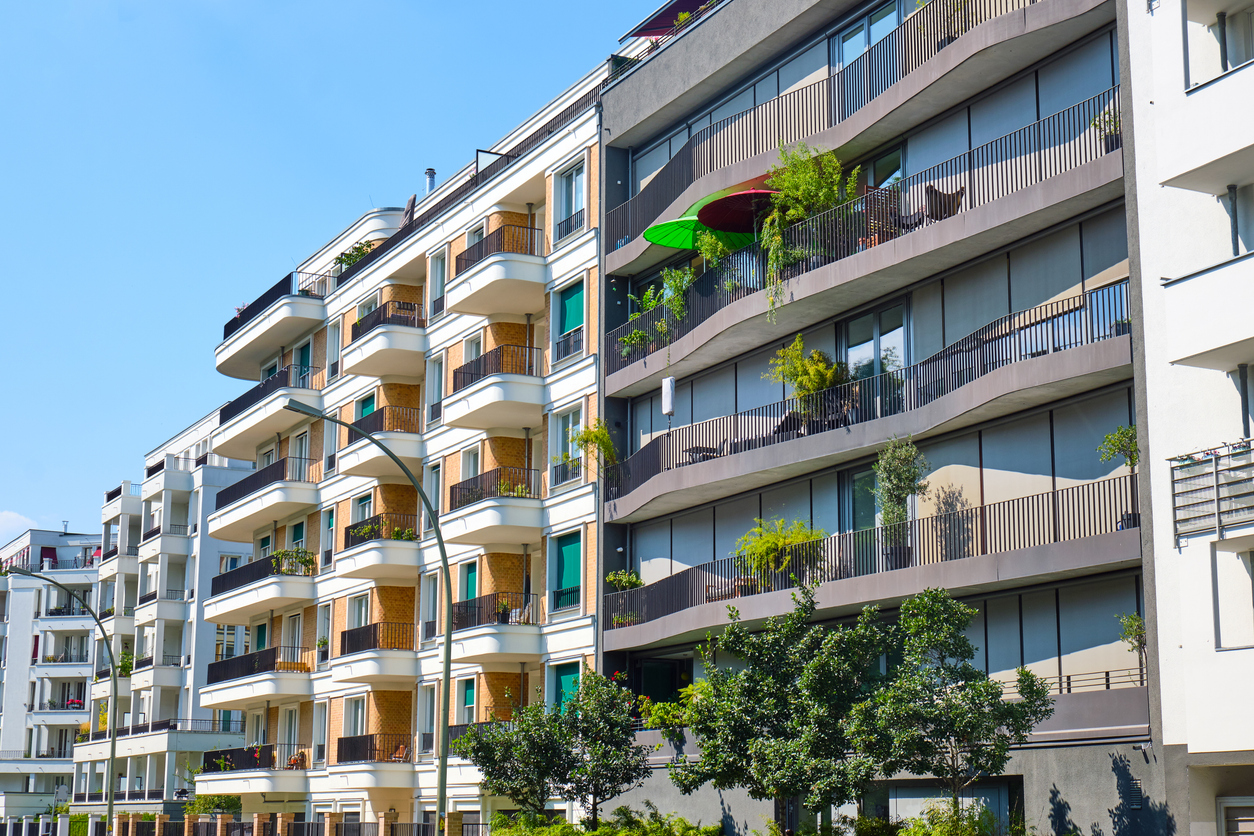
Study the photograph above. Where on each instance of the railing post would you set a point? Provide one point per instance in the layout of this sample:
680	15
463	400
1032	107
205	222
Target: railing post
190	820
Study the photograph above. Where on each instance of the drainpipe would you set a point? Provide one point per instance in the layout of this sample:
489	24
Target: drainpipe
1243	374
1221	23
1232	213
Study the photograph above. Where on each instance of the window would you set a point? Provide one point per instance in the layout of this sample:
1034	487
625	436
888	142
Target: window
297	535
227	562
426	714
435	387
438	275
328	519
567	554
474	236
324	624
358	611
365	406
470	463
570	189
330	435
354	716
369	304
259	637
472	348
333	350
363	507
430	597
466	705
565	682
434	489
264	546
568	424
320	731
470	580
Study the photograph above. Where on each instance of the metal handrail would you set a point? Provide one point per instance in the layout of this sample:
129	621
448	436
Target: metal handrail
519	240
293	376
289	469
569	226
271	660
385	526
316	285
497	608
395	419
379	636
389	313
504	359
297	563
496	483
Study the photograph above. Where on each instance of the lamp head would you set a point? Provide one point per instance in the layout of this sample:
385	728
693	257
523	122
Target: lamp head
302	408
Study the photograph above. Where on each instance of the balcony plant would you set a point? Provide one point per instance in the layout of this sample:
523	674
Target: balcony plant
624	579
899	472
766	549
322	642
502	610
597	444
626	619
1120	441
1132	633
507	487
354	253
1107	125
365	532
809	375
293	561
672	293
126	662
407	534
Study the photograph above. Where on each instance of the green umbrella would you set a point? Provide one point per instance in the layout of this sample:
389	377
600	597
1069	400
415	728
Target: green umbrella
681	234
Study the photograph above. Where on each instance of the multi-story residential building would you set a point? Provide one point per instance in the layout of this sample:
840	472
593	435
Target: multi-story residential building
1193	192
46	671
460	338
977	288
153	581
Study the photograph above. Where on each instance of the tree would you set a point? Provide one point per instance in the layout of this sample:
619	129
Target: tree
899	472
938	714
212	805
607	761
525	758
776	727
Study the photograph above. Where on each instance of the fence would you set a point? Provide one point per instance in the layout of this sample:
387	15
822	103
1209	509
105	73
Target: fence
504	359
1214	490
389	313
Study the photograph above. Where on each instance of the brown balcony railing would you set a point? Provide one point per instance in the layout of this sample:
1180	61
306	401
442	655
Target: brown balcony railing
316	285
501	482
504	359
1028	156
297	562
1089	510
568	345
569	226
264	756
1213	490
387	419
375	748
293	376
381	636
521	240
497	608
271	660
1058	326
386	526
284	470
389	313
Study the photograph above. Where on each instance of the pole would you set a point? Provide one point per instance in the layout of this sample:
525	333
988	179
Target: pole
441	801
113	685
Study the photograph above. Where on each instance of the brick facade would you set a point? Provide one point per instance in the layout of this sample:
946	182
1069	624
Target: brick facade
500	573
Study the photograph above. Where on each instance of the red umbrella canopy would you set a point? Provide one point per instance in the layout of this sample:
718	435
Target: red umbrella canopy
738	212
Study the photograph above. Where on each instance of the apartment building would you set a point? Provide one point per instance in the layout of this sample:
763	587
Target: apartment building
161	555
455	330
1193	191
46	671
977	288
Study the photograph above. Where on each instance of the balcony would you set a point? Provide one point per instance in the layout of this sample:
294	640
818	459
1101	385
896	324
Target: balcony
124	499
270	767
566	473
273	673
381	547
377	654
375	748
500	506
502	388
1031	357
1224	342
169	473
279	316
168	538
498	627
391	340
275	491
66	706
881	242
569	226
112	563
170	605
1056	534
503	273
270	582
1213	491
400	428
568	345
256	416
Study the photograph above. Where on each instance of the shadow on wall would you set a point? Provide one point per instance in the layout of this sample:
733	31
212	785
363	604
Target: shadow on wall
1134	815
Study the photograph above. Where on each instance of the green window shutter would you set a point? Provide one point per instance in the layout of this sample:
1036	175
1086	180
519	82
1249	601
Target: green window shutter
259	637
566	677
367	406
468	694
569	554
472	581
572	308
298	532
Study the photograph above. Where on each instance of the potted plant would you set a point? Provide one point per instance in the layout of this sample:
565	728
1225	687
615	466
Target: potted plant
808	375
624	579
626	619
597	444
899	472
1107	125
1121	441
766	550
1120	327
502	610
323	648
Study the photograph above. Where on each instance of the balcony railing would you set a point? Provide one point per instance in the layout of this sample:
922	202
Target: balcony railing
565	599
386	526
1072	683
65	658
620	65
802	113
284	470
172	660
387	419
316	285
53	564
271	660
294	376
430	629
497	608
521	240
1058	326
501	482
110	553
145	662
1102	507
569	226
1028	156
389	313
182	725
62	705
437	306
136	490
375	748
381	636
174	463
296	562
568	345
504	359
172	528
567	471
1213	490
264	756
67	611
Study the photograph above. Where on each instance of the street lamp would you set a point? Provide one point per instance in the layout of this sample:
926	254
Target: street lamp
441	800
113	684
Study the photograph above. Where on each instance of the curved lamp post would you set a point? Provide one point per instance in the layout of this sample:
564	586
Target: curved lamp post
113	684
441	800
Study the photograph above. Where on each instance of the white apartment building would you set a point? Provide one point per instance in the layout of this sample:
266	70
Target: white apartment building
460	338
46	671
152	584
1192	75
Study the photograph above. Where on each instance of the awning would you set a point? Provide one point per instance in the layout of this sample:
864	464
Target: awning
662	20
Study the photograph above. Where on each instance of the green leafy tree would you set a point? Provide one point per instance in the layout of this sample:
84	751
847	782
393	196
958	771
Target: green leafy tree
899	472
607	759
1120	441
525	758
939	714
776	727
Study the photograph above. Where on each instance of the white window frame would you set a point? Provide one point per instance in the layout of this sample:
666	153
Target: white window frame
359	699
328	525
358	611
368	304
368	496
357	404
321	729
265	546
480	228
433	480
438	255
475	340
469	454
333	349
459	691
559	442
1222	803
559	192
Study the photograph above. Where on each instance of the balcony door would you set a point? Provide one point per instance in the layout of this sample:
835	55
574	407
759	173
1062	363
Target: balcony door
875	344
354	716
304	359
293	634
299	455
358	611
291	727
861	81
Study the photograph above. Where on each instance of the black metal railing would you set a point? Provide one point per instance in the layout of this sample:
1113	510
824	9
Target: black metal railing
389	419
144	662
62	705
429	630
171	463
146	597
1102	507
293	376
297	563
276	659
569	226
565	599
109	553
1213	490
434	412
175	595
66	611
497	608
416	828
389	313
802	113
504	359
56	752
567	471
568	345
520	240
437	305
302	828
316	285
386	526
381	636
1057	326
375	748
172	660
284	470
173	724
1072	683
1028	156
113	494
264	756
501	482
171	528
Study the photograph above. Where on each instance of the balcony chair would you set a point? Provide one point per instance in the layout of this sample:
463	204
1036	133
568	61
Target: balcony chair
401	755
942	205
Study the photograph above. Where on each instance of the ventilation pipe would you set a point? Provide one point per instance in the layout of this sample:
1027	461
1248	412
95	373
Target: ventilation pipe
430	180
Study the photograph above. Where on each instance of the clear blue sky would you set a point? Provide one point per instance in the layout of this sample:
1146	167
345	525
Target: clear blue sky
162	162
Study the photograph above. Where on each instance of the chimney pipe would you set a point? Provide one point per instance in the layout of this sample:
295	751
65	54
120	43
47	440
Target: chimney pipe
430	180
